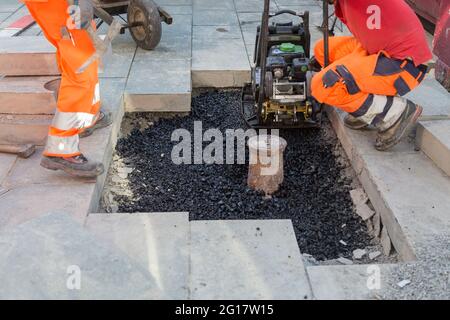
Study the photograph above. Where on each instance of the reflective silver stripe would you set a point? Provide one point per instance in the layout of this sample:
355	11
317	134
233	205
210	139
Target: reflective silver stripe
96	94
62	145
398	106
72	120
376	108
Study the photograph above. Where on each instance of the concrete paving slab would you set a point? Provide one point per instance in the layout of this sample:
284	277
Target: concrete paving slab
27	56
249	35
402	179
295	2
28	172
160	80
173	47
175	2
176	10
4	16
6	163
119	64
215	17
156	86
251	259
433	138
219	59
213	33
213	4
10	5
159	242
432	96
355	282
253	6
42	259
28	95
14	16
29	202
24	129
395	182
101	144
34	30
364	140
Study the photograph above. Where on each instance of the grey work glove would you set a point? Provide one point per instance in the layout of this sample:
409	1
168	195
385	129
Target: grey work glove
82	14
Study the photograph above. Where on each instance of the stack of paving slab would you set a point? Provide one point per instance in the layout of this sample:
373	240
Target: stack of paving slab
27	89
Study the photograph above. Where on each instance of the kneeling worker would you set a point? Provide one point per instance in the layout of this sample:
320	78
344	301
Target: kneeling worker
78	111
371	71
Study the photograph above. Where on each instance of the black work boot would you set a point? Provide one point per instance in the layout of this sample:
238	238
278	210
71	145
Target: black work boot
103	121
77	166
354	123
391	136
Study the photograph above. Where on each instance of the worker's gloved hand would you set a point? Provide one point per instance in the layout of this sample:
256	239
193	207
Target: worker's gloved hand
82	13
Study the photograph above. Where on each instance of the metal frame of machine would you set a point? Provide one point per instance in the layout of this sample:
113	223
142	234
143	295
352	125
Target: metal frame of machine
144	19
264	107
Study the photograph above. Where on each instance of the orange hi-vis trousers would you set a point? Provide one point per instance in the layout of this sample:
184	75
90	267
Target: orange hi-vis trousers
368	87
79	97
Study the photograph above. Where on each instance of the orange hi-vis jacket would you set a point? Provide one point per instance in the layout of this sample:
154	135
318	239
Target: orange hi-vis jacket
79	94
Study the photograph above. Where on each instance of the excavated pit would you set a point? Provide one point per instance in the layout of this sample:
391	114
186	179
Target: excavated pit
314	194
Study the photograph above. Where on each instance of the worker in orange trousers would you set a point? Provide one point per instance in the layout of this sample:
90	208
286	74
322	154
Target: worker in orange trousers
370	71
78	111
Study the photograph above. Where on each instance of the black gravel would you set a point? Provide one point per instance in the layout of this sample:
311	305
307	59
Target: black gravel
314	194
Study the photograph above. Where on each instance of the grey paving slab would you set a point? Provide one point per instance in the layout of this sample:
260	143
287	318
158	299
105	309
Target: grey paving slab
26	203
119	63
356	282
15	14
100	145
157	86
160	80
297	2
432	96
216	33
175	2
213	56
251	259
10	5
41	260
6	163
404	186
34	30
29	172
159	242
219	57
27	56
253	6
176	10
433	138
215	17
4	16
182	25
213	4
402	180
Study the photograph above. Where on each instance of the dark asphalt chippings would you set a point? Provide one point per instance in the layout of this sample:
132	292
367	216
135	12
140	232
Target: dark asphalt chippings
314	193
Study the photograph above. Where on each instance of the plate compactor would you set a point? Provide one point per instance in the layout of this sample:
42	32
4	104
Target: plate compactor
279	94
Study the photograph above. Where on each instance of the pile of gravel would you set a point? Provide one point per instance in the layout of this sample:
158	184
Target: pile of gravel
315	193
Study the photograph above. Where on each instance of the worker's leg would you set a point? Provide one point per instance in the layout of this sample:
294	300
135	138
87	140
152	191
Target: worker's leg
339	47
78	99
368	87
